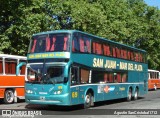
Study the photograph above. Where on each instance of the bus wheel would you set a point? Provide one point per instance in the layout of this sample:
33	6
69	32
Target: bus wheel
9	97
155	87
129	96
135	97
88	100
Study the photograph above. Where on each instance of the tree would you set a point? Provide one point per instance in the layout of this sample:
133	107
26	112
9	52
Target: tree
131	22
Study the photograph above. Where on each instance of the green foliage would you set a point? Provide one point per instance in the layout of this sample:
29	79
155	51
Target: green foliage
125	21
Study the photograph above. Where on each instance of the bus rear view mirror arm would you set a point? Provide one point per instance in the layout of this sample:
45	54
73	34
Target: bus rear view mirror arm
18	67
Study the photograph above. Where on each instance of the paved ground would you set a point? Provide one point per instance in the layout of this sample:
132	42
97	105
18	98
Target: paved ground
150	103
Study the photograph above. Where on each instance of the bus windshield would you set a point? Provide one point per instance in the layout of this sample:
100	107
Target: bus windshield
49	43
49	74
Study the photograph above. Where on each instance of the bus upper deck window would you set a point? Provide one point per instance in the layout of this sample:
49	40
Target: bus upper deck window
106	50
114	52
106	79
118	52
53	44
47	43
88	48
81	45
129	55
98	48
73	48
34	45
94	47
65	43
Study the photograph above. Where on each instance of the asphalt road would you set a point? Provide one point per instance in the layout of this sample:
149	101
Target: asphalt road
149	103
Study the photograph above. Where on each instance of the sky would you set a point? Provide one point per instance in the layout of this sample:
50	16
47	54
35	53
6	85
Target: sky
154	3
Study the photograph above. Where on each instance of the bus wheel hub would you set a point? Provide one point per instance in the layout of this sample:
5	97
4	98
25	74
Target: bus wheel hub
87	99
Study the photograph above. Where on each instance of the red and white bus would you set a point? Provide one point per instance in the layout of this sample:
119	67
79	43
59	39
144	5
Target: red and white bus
11	85
153	79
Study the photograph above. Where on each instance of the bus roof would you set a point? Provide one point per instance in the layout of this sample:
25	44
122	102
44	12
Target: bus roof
104	39
12	56
150	70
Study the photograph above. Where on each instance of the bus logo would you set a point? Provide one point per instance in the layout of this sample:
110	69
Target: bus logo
109	89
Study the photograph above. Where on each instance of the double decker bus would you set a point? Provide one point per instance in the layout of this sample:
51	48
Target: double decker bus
153	79
69	67
11	85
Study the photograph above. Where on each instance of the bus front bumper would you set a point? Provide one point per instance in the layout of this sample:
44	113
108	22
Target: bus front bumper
50	100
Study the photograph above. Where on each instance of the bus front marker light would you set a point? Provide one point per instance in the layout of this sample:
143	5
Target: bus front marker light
29	91
58	92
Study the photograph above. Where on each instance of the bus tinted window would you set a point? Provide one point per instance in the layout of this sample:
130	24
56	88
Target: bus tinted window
136	57
129	55
10	66
117	77
118	52
124	53
114	51
132	56
81	43
87	44
49	43
124	77
75	44
97	48
144	58
106	50
74	76
97	76
1	66
84	76
120	77
102	76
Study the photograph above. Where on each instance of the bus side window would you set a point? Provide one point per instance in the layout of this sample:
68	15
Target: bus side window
106	79
88	48
84	76
106	49
119	78
114	51
97	48
1	66
118	52
110	77
115	78
124	77
132	56
10	66
74	76
81	42
129	55
75	45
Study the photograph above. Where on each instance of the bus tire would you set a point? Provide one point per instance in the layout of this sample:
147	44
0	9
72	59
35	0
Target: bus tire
88	100
135	97
129	95
9	97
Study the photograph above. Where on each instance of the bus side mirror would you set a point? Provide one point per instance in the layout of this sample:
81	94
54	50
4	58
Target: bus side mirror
18	67
65	79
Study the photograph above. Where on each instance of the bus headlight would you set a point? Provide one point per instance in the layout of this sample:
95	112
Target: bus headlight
29	91
58	92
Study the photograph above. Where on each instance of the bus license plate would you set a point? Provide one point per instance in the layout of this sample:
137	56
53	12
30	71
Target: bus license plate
42	98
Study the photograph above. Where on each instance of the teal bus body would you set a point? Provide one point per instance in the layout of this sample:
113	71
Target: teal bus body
83	73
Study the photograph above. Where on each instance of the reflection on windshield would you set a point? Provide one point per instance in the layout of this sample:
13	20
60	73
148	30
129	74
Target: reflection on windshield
52	74
34	73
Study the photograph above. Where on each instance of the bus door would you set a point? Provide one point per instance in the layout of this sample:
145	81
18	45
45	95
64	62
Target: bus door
74	75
